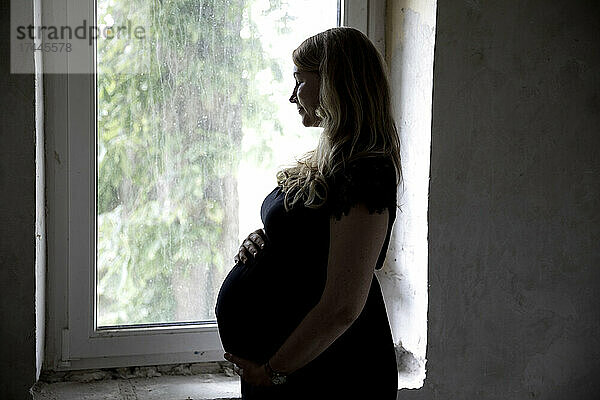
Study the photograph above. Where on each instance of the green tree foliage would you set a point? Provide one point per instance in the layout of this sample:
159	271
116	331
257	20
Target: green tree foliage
170	113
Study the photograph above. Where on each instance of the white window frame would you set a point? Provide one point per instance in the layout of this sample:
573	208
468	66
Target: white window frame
70	112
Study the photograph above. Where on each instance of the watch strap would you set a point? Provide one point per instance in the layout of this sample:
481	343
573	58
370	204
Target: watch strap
276	377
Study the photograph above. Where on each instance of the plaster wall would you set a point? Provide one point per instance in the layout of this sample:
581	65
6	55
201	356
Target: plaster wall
19	338
40	207
514	223
410	38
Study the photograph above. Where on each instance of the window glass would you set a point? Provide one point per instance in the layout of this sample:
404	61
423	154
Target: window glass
193	123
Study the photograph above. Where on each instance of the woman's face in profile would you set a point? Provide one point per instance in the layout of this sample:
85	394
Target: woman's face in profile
306	96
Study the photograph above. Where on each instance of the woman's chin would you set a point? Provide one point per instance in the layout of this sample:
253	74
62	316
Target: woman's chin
308	121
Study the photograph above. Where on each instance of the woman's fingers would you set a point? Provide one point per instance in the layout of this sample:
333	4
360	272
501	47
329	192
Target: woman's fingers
258	237
240	362
237	365
242	255
251	246
238	370
254	243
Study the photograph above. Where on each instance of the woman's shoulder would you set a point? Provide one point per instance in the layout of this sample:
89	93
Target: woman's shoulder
373	167
366	171
368	180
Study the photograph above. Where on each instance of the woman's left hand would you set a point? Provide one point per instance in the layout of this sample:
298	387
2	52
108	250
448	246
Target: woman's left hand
249	371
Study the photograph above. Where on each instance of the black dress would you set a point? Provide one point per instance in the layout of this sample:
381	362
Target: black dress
261	302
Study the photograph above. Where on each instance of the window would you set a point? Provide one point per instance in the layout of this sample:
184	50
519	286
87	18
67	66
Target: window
165	138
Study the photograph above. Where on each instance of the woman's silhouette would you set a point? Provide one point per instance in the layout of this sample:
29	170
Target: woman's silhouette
301	314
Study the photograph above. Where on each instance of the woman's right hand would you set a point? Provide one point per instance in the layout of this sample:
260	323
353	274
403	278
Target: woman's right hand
255	242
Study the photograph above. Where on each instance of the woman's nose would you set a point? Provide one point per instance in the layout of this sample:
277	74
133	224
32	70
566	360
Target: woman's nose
293	97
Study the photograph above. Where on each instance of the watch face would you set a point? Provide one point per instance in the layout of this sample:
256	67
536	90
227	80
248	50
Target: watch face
279	379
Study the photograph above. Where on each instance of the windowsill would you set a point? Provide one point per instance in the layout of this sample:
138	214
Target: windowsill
196	381
168	387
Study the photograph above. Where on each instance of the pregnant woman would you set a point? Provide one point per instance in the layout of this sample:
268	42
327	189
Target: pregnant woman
301	314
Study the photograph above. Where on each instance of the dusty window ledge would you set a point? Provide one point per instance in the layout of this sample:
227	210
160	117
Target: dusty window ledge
175	382
199	381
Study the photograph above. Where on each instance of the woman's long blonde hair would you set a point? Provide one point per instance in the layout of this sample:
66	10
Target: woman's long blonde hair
354	108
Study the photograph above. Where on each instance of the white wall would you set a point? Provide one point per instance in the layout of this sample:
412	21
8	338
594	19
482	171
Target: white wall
40	211
410	38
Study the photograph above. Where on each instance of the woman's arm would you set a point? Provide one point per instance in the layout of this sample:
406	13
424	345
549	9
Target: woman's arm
355	243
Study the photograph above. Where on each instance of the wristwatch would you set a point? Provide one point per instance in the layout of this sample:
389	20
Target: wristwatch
276	377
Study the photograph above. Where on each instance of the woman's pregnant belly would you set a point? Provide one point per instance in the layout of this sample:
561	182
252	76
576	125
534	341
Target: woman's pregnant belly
261	303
